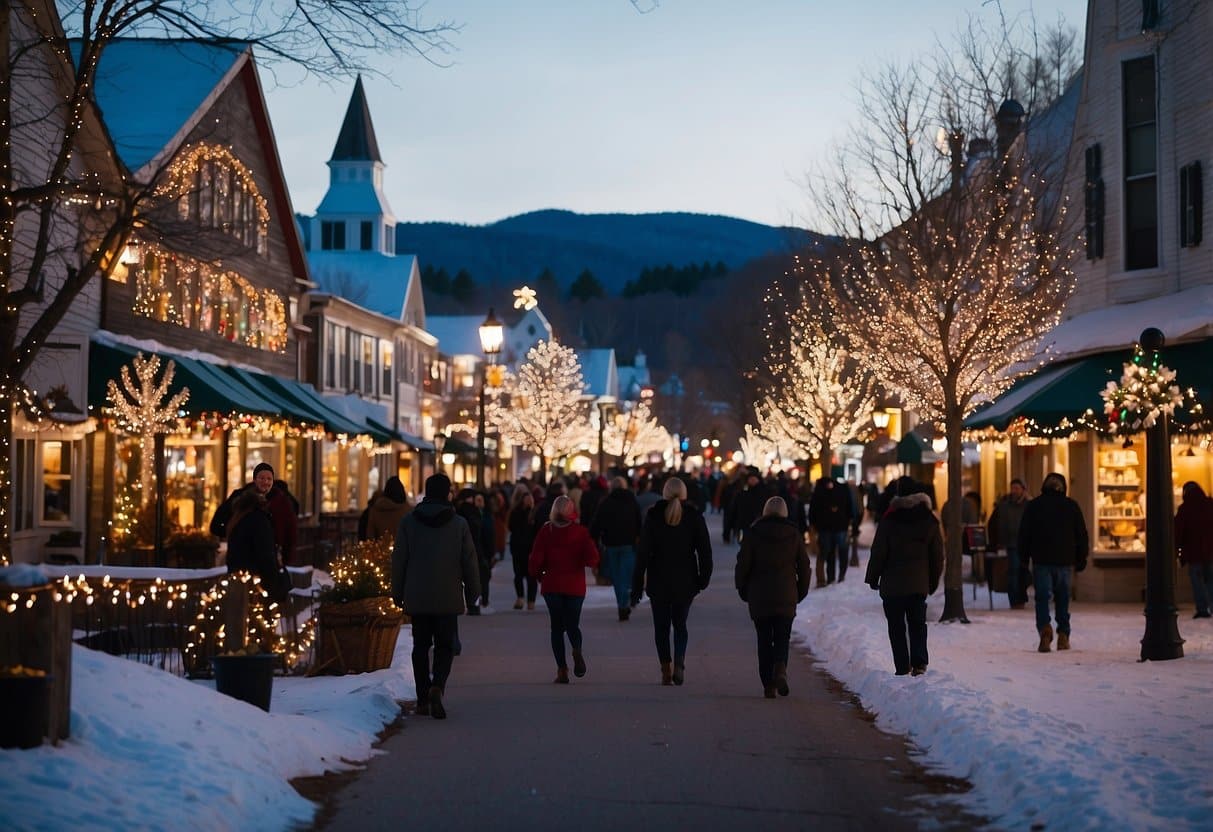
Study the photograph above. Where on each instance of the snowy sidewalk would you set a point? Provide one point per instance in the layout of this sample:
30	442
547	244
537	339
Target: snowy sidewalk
1086	739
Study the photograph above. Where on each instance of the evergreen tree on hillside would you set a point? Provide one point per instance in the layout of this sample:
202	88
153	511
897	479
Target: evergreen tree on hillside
435	281
683	281
586	287
547	286
463	287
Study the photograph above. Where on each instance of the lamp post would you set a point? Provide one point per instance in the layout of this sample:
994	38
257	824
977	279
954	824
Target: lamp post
1161	640
491	336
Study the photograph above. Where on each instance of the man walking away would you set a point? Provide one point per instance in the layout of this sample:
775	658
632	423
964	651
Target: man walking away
830	517
433	568
1053	539
617	525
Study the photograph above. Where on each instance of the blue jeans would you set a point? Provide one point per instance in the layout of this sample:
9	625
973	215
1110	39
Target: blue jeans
1053	581
564	613
906	615
833	547
442	632
774	633
620	563
1201	575
665	615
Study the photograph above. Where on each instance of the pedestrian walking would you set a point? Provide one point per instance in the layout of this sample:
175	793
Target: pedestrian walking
434	570
772	575
562	552
1194	540
280	506
830	517
522	506
1003	531
467	508
746	505
1053	541
905	567
250	544
617	526
673	564
388	509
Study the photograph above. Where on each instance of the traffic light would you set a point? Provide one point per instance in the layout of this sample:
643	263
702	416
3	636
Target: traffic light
685	445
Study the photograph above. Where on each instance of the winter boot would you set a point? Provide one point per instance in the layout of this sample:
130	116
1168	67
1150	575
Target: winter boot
1046	639
578	664
679	674
437	711
1063	641
781	678
768	691
423	705
518	604
562	676
666	671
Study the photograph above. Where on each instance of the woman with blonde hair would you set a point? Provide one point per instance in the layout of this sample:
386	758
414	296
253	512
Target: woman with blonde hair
674	564
772	577
563	550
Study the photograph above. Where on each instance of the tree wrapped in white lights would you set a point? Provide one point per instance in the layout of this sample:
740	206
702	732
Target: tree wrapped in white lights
636	434
142	411
757	449
541	408
820	396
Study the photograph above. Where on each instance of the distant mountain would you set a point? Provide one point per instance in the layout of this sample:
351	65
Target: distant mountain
615	247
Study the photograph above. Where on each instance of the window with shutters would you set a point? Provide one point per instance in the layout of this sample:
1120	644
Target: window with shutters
1141	165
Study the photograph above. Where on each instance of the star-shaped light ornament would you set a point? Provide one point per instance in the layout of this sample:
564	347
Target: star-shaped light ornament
525	298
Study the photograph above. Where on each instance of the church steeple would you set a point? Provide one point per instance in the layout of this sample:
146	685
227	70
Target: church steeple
356	141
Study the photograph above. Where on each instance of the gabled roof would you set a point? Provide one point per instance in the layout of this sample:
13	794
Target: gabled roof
385	277
598	370
148	88
356	141
456	334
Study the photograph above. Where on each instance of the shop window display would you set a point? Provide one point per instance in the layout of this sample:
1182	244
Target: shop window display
1120	499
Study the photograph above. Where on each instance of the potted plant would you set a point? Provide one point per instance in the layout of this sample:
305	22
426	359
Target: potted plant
358	622
193	548
246	674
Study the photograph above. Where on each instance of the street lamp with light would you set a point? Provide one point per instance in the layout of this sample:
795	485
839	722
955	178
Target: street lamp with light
880	418
492	334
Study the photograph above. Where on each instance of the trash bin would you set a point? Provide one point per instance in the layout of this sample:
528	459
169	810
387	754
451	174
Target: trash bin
247	678
25	703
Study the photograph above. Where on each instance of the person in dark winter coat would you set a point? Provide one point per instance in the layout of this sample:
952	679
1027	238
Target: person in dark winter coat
746	506
522	505
1003	531
1053	539
364	519
563	550
772	576
250	543
674	564
591	498
385	514
1194	540
830	517
280	506
617	525
905	566
465	507
434	569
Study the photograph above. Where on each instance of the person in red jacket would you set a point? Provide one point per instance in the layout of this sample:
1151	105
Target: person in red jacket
1194	540
560	555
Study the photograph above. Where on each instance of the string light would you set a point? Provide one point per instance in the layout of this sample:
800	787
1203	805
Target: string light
143	411
639	435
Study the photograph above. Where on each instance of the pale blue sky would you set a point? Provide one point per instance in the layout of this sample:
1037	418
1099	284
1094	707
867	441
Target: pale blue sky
713	106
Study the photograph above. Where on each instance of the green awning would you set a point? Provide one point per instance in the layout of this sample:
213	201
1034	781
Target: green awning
302	401
211	390
1065	391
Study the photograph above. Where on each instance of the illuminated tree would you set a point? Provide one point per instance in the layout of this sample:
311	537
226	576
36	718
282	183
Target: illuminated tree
820	396
143	411
757	449
541	408
950	272
636	434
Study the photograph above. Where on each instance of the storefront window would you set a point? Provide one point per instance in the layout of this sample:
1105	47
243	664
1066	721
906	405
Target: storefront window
57	467
193	483
1120	508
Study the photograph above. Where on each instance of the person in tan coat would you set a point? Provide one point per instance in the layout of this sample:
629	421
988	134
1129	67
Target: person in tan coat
385	514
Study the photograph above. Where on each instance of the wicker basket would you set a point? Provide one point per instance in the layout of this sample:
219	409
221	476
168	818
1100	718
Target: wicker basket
357	637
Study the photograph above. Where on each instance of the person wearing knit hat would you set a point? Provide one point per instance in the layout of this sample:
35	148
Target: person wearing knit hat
434	568
278	503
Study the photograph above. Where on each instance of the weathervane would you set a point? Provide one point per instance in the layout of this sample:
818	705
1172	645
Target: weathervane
525	298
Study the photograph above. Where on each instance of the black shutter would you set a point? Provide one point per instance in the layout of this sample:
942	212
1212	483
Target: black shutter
1150	12
1094	203
1191	205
